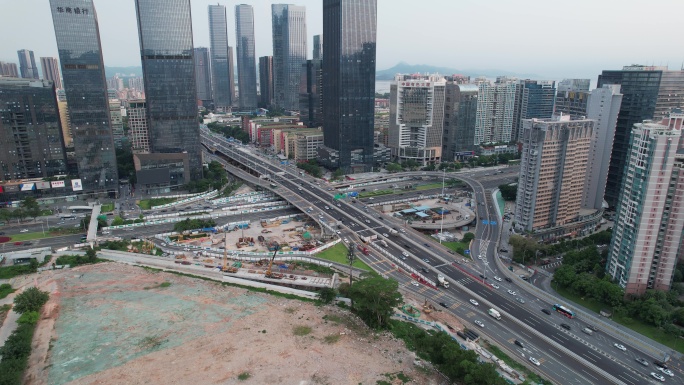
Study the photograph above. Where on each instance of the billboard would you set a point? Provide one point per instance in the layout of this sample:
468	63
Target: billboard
11	188
43	185
27	186
76	185
57	183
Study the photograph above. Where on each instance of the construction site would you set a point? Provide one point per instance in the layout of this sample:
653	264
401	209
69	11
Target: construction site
433	214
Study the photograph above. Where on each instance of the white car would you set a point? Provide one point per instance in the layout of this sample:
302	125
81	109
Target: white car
385	235
666	371
497	278
534	361
474	302
511	292
495	286
338	232
414	283
658	376
478	323
621	347
346	240
24	231
479	256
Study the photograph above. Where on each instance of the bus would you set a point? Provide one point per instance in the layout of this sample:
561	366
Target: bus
563	310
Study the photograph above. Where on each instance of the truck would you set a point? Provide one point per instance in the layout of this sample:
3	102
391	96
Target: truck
362	249
280	173
494	313
442	281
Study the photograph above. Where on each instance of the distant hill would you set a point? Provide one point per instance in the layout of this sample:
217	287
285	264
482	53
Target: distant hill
123	71
405	68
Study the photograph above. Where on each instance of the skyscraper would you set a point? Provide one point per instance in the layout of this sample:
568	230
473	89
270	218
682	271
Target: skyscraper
27	64
80	56
116	121
552	172
137	122
166	50
460	111
649	222
536	101
649	92
246	59
310	94
32	144
318	47
349	27
203	75
221	58
603	106
266	81
51	70
289	53
417	118
496	111
9	69
572	98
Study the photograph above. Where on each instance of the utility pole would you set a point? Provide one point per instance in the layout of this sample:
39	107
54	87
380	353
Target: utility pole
351	257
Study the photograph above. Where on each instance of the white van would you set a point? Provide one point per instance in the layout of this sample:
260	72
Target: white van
588	331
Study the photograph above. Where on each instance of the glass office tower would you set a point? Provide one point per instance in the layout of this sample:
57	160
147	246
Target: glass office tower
80	55
246	59
289	53
27	64
221	57
349	27
166	49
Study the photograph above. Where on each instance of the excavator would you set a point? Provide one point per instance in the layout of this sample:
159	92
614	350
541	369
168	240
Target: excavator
269	272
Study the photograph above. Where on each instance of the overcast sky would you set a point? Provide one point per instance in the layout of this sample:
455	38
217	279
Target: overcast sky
553	39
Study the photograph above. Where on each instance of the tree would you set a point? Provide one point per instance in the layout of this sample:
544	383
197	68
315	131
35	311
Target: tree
338	174
374	300
91	254
508	192
327	295
467	237
31	299
30	206
393	167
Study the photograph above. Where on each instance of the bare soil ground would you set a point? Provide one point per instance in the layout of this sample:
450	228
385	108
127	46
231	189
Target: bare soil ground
117	324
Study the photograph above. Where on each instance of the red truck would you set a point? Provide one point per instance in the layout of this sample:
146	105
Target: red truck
362	249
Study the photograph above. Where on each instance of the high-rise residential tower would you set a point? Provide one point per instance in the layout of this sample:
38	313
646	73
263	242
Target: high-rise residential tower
9	69
603	106
417	118
32	144
318	47
349	27
552	171
536	99
221	58
27	64
50	67
496	111
80	56
649	222
203	75
266	82
649	92
289	53
572	98
166	50
246	57
137	123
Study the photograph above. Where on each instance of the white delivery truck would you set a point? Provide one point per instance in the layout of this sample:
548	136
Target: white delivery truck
442	281
494	314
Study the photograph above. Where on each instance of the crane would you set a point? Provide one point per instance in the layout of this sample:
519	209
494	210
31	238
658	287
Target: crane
269	273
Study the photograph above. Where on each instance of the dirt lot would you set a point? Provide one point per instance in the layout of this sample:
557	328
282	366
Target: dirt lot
117	324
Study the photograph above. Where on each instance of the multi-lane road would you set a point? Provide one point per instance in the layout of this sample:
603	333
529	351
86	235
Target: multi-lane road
566	356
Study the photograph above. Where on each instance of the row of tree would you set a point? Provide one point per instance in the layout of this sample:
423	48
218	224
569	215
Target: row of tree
234	132
215	177
311	167
28	208
193	224
527	249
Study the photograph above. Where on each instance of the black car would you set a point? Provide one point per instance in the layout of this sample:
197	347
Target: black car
442	304
424	270
503	250
407	246
2	233
546	311
519	343
660	364
565	326
508	279
482	276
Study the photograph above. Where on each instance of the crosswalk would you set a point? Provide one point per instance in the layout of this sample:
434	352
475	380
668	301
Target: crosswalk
552	265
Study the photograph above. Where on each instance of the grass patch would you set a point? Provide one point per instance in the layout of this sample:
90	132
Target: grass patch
162	285
290	310
76	260
301	330
243	376
458	247
338	253
529	375
367	194
151	342
331	339
5	290
430	186
15	354
146	204
642	328
8	272
29	236
107	207
392	376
